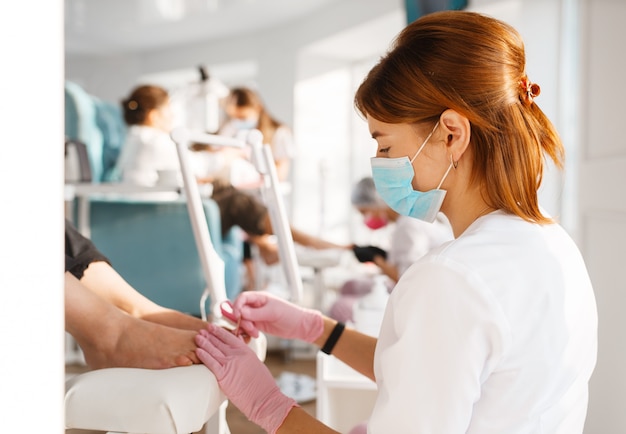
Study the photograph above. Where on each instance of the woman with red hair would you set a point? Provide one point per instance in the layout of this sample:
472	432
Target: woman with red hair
493	332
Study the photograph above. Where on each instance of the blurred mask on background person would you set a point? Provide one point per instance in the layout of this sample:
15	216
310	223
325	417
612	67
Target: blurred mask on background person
243	118
374	220
245	124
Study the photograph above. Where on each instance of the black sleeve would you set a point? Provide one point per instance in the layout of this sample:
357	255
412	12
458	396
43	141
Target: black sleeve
79	251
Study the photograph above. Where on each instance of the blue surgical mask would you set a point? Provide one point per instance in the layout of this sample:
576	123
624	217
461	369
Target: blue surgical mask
393	177
245	124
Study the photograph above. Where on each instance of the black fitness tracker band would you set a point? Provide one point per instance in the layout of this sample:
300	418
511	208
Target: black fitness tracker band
333	338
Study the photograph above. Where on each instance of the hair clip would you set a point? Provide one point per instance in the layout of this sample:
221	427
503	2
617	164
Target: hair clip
132	104
529	90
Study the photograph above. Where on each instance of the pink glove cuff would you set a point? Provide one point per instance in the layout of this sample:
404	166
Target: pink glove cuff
313	329
272	414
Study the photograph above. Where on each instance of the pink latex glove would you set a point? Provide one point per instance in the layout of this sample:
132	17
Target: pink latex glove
244	379
261	311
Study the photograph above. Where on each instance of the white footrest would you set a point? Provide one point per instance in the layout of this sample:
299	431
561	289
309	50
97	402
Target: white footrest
149	401
129	400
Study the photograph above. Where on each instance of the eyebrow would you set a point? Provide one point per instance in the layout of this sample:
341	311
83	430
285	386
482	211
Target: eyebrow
376	134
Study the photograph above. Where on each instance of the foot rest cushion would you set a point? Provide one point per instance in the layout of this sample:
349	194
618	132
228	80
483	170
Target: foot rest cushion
129	400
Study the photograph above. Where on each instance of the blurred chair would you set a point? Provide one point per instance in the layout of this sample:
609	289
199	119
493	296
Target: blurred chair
150	242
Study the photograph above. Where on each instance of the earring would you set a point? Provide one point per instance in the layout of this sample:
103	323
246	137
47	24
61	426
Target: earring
454	163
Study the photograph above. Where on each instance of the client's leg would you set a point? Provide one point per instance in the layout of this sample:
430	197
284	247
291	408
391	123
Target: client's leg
112	338
104	281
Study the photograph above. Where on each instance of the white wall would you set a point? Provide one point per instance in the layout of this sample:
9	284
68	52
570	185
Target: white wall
31	232
602	201
334	144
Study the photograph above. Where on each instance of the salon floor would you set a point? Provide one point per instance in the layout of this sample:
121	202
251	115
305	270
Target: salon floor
277	363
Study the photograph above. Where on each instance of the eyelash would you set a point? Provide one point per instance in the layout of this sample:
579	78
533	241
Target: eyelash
384	150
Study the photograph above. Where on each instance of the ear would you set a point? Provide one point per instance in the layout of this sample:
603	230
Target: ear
152	117
456	132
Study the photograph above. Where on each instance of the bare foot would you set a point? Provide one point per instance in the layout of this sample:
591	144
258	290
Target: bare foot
135	343
176	319
268	251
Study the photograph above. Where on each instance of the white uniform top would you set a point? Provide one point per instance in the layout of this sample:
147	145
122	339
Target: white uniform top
412	238
492	333
282	144
235	167
146	150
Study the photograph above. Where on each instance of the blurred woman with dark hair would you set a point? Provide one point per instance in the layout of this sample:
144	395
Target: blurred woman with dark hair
148	148
245	111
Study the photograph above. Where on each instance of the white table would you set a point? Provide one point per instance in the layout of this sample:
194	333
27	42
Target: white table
345	397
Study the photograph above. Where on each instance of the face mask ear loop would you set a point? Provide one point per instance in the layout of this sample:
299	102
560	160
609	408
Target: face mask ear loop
425	141
455	164
444	175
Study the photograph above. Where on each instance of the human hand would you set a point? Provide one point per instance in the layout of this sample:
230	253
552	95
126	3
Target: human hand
261	311
244	379
368	253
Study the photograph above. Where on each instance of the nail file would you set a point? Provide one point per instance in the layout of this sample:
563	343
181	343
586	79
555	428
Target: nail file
229	315
228	312
237	328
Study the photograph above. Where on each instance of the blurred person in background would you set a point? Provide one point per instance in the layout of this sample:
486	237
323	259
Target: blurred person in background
410	239
245	111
